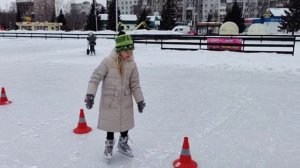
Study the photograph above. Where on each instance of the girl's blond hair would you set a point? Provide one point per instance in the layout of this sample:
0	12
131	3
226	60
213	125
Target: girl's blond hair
120	64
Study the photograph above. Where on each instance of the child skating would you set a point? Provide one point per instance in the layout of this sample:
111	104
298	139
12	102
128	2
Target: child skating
120	82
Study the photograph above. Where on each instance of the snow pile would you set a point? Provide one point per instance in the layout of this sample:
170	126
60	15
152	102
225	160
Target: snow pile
257	29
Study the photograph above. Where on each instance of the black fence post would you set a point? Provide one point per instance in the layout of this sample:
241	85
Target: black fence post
261	39
243	43
294	45
200	44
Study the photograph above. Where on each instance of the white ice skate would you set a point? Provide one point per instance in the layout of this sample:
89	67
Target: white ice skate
108	152
123	147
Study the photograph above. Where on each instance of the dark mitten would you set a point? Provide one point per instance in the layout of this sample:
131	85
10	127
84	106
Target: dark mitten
141	106
89	101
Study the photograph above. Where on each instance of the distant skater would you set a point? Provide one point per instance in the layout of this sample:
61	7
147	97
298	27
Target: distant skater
92	42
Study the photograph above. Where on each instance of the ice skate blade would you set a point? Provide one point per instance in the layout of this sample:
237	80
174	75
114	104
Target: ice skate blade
107	159
126	154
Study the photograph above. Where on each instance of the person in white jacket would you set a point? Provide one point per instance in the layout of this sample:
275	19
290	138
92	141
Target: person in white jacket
120	82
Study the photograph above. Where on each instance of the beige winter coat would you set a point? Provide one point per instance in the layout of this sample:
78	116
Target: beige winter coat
116	105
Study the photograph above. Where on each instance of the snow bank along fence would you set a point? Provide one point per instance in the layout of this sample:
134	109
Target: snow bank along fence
284	44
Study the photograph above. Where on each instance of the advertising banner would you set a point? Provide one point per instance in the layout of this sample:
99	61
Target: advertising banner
237	44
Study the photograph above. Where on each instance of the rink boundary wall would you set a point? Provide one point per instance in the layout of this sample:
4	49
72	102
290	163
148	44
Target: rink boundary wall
283	44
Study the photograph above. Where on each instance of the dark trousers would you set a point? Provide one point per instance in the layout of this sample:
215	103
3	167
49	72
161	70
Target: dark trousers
110	135
92	47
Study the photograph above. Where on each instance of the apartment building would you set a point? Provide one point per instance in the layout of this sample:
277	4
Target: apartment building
201	10
26	8
126	7
44	9
141	5
256	8
211	10
37	10
278	3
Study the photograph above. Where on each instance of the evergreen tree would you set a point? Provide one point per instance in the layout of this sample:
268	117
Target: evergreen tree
53	17
112	16
168	15
91	19
291	21
101	23
143	18
61	19
102	10
235	15
18	16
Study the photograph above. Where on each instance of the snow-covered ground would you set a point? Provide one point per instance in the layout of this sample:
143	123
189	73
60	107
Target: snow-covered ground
238	110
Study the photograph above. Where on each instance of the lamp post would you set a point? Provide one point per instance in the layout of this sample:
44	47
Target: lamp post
95	12
116	15
194	17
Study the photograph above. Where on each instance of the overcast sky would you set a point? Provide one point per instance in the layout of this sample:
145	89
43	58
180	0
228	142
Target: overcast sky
5	4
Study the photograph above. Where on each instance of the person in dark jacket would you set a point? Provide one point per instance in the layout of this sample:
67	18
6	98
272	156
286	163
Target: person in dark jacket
92	42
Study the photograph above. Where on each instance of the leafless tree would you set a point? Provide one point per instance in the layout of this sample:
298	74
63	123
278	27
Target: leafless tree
13	7
216	15
44	9
76	19
8	19
251	9
262	6
58	5
67	6
198	5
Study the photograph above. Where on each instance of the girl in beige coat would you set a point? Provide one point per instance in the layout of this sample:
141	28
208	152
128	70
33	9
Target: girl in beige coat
120	81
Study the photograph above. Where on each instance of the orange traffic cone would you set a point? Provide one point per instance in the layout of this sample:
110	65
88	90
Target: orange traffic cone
185	160
3	98
82	127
